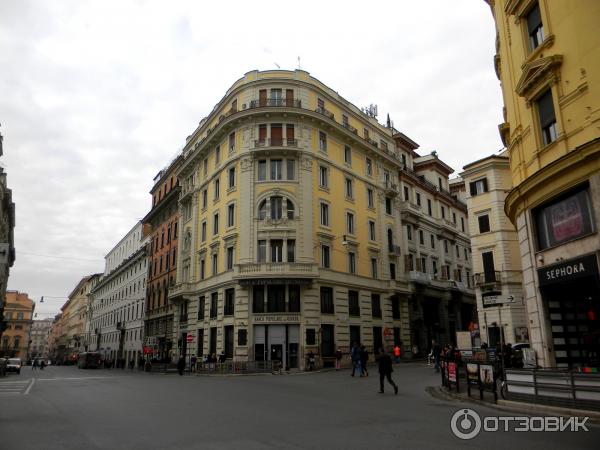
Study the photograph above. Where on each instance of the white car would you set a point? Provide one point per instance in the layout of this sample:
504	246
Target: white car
13	365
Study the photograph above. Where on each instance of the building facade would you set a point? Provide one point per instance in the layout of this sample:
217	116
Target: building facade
306	225
161	224
18	315
40	335
548	61
117	300
496	257
7	243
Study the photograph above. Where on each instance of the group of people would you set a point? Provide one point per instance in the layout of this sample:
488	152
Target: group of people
360	356
448	353
38	363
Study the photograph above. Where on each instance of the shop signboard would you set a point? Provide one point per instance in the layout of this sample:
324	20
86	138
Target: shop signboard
486	376
463	340
452	372
472	374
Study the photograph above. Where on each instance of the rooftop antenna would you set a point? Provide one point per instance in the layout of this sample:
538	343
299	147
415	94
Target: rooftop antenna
299	68
277	66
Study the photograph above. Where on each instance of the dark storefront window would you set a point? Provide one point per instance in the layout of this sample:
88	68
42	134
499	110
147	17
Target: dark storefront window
258	299
310	336
200	349
213	341
377	339
354	334
564	219
353	304
228	331
327	340
214	300
229	302
376	305
242	337
294	298
275	298
326	300
395	308
201	306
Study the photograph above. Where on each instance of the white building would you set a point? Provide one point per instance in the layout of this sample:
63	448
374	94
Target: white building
117	307
39	338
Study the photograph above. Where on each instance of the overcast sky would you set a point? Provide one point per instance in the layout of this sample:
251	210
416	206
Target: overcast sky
97	96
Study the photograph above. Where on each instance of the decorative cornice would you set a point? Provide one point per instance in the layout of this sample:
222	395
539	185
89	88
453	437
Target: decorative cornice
536	72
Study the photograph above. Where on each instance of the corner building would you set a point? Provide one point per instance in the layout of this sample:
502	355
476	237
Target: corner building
548	61
299	231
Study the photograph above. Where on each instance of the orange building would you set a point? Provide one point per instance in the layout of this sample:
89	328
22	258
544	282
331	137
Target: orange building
18	315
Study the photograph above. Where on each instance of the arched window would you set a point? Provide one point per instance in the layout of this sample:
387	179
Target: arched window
290	209
276	207
262	210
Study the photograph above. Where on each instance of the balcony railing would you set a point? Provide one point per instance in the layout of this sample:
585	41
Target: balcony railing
325	112
419	277
394	249
276	268
497	277
350	128
276	102
276	142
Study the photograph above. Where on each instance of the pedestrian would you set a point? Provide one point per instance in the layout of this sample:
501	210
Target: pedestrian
34	364
355	357
397	353
436	350
385	371
42	364
222	357
364	357
311	360
338	359
193	361
181	365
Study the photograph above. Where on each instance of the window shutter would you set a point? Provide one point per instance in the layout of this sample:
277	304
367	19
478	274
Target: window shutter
546	109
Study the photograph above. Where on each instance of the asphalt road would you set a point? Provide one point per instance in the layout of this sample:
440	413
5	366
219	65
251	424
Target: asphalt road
66	408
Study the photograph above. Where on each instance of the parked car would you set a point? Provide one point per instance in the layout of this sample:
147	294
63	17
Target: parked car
14	365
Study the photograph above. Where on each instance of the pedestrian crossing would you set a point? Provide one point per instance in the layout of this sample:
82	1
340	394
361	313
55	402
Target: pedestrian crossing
8	388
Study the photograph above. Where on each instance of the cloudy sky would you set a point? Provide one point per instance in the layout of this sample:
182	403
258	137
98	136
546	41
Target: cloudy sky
97	96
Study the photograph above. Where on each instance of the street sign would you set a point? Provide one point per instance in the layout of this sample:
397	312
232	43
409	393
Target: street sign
190	338
497	300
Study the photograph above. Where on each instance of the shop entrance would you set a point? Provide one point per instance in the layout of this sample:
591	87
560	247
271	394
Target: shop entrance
574	310
277	343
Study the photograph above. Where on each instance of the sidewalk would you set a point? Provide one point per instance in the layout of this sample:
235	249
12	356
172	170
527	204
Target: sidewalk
443	393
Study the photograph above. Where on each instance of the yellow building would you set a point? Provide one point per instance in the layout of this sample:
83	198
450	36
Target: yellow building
548	61
18	316
496	256
306	225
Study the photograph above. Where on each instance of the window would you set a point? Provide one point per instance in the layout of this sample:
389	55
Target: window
323	177
466	253
353	305
443	210
204	198
418	199
392	271
231	215
445	246
229	306
326	300
276	167
276	298
545	109
351	262
262	251
369	166
262	170
370	201
395	308
349	193
434	269
374	267
203	232
258	299
217	189
293	298
457	251
345	122
290	209
202	270
406	193
563	219
347	154
217	155
322	141
214	301
229	258
409	232
324	214
478	187
276	250
200	349
376	305
205	166
350	223
535	29
488	267
291	169
462	224
388	205
325	256
429	209
291	250
311	336
232	142
484	223
371	230
354	334
421	237
216	224
231	177
454	218
276	207
215	264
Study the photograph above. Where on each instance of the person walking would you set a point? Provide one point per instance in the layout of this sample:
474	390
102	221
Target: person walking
396	353
385	371
34	364
181	365
311	361
193	362
364	357
436	350
355	357
338	359
42	364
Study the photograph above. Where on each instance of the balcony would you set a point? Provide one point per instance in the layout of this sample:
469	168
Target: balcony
391	189
419	277
325	112
350	128
497	278
275	102
394	249
276	142
276	270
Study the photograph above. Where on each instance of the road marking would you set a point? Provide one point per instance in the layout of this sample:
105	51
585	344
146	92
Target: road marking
73	378
30	386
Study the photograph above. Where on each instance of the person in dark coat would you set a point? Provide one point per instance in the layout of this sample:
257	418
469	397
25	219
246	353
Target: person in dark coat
436	351
385	371
364	357
181	365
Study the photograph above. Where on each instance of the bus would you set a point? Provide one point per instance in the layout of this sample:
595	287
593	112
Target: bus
88	360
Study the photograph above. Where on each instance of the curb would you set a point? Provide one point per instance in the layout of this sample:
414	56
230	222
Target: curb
517	407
